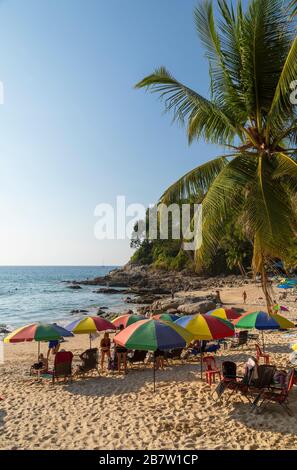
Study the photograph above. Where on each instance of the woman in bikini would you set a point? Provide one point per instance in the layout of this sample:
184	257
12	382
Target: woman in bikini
105	348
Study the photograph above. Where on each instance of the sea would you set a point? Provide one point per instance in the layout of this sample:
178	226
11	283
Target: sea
38	294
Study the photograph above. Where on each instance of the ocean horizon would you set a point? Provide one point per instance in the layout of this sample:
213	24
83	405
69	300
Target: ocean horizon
40	293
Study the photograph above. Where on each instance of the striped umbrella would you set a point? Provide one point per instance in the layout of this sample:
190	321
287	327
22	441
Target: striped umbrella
206	327
37	332
224	314
263	321
126	320
166	317
150	335
89	325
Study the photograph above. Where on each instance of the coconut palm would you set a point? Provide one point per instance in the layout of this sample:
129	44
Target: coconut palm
252	56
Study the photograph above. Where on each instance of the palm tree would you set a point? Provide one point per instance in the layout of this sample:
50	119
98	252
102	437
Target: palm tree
252	58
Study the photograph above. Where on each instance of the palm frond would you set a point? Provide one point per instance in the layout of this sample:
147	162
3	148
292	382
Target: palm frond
195	184
205	119
281	106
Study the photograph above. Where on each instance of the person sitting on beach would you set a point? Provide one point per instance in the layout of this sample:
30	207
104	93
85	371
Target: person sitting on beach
40	367
250	370
105	348
121	353
159	359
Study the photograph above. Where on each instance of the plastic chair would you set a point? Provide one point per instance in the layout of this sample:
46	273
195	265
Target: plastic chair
260	354
211	369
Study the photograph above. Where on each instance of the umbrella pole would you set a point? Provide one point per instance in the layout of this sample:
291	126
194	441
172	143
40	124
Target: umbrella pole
38	353
201	364
90	340
263	342
154	373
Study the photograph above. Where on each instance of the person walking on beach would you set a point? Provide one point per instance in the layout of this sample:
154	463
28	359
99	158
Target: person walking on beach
159	359
53	347
218	297
105	348
121	353
172	293
244	296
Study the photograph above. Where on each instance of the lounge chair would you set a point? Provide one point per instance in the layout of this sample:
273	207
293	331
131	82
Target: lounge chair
63	365
278	395
229	381
90	361
137	358
240	340
251	387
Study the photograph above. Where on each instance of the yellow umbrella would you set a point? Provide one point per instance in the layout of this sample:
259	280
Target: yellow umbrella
206	327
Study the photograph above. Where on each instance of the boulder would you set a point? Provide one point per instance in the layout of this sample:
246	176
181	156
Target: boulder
197	307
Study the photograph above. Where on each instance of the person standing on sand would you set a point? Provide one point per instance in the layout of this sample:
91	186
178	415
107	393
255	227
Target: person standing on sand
121	353
105	348
244	296
172	293
53	347
218	297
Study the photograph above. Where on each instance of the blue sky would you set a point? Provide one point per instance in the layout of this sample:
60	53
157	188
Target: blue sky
73	131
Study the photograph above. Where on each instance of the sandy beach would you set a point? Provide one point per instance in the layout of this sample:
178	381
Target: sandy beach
122	412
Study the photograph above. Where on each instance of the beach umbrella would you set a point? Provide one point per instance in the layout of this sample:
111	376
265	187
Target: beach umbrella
263	321
150	335
224	313
166	317
291	281
206	327
126	320
89	325
37	332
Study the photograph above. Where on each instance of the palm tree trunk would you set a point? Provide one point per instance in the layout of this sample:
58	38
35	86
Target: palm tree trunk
259	266
266	287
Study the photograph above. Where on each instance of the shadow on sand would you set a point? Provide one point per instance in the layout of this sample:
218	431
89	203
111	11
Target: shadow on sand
271	419
111	385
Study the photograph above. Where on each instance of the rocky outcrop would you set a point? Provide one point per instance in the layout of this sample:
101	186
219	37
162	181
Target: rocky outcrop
187	305
107	290
197	307
143	279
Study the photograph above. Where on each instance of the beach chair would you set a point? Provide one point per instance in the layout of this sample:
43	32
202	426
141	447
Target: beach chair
137	358
90	361
229	381
276	395
211	369
252	386
174	354
240	340
260	354
62	365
